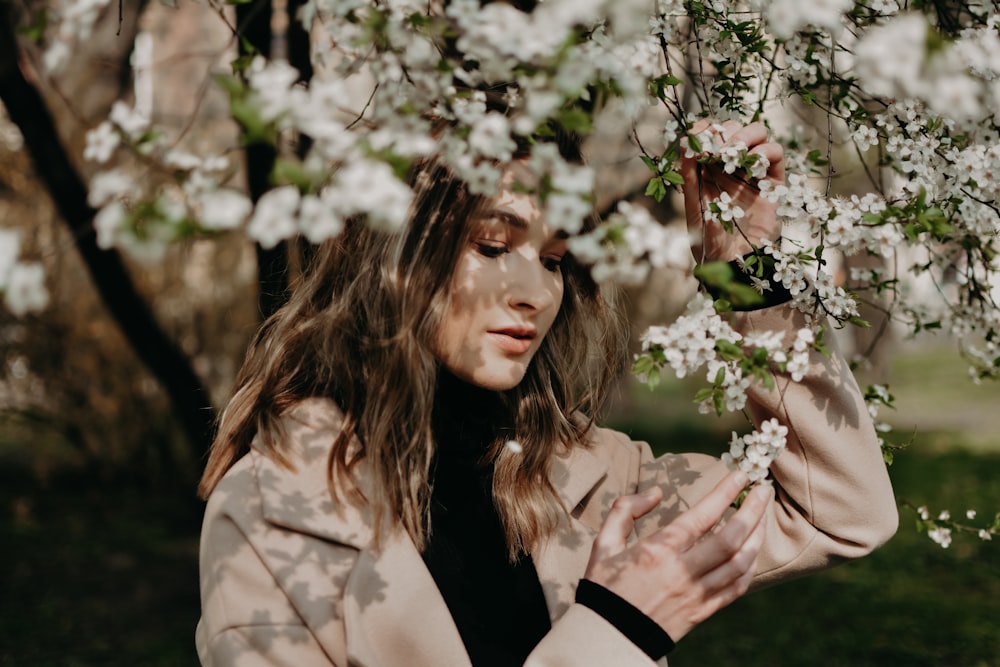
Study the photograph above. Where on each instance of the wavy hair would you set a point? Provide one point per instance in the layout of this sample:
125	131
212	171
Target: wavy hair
358	330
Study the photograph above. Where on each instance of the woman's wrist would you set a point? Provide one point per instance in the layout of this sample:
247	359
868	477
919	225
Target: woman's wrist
640	629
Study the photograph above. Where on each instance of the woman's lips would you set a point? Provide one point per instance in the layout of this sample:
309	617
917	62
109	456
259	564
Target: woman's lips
512	343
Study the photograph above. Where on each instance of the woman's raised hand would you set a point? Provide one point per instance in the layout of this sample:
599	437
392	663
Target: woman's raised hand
704	183
684	572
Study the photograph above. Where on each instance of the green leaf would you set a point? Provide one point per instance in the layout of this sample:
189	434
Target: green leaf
576	120
887	456
643	364
673	177
743	295
241	64
291	172
693	143
232	85
718	402
35	30
255	129
730	352
722	306
656	189
714	274
816	157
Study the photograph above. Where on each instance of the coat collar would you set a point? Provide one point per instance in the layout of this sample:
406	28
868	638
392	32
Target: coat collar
298	496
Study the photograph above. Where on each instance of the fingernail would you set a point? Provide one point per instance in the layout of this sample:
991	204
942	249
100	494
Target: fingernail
741	478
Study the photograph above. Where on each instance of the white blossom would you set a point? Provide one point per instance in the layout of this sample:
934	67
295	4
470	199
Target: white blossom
273	219
133	123
490	137
108	185
25	290
101	142
786	17
941	535
271	82
370	187
224	208
318	218
754	452
10	248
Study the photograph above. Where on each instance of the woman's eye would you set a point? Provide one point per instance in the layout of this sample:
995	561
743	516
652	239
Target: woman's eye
491	249
552	264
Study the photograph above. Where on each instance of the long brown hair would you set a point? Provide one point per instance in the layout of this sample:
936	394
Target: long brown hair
358	331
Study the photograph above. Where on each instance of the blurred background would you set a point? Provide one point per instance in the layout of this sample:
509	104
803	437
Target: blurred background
98	517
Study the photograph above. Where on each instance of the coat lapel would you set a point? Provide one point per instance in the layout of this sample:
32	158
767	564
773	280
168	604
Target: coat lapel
394	612
383	604
562	559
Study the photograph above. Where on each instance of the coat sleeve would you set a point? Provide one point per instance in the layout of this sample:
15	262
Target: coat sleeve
583	638
833	499
247	620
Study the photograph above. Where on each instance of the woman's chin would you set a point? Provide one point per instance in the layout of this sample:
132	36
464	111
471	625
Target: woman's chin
495	379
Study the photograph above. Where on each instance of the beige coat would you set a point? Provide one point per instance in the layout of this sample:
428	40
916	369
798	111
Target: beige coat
289	579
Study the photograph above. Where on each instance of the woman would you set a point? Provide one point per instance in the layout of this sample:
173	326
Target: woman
408	472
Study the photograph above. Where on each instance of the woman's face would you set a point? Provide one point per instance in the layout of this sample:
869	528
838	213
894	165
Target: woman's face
505	293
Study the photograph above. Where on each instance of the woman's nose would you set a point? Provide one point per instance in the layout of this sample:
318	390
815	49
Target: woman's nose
532	286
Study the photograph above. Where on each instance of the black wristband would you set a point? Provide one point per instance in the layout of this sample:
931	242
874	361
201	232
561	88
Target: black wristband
643	631
762	270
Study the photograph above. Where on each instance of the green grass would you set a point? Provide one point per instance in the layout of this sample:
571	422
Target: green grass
97	574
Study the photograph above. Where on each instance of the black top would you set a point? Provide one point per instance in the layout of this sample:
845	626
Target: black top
498	606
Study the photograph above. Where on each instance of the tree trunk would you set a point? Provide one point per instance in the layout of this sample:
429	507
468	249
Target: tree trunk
158	352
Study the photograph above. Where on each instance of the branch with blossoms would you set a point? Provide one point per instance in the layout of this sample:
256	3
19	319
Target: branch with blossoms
910	91
942	527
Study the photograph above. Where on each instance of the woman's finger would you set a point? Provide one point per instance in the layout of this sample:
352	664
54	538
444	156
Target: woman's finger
775	154
722	588
751	135
728	129
692	525
734	547
620	522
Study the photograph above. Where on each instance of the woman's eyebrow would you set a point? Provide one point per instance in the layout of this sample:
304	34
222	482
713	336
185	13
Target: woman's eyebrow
508	217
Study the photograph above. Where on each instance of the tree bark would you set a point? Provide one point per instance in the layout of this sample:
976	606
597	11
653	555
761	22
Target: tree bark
168	364
253	21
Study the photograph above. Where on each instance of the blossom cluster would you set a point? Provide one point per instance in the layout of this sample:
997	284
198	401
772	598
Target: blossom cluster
627	244
876	397
754	452
942	528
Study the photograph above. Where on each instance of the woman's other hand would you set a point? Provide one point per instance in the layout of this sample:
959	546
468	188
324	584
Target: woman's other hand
683	573
704	183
